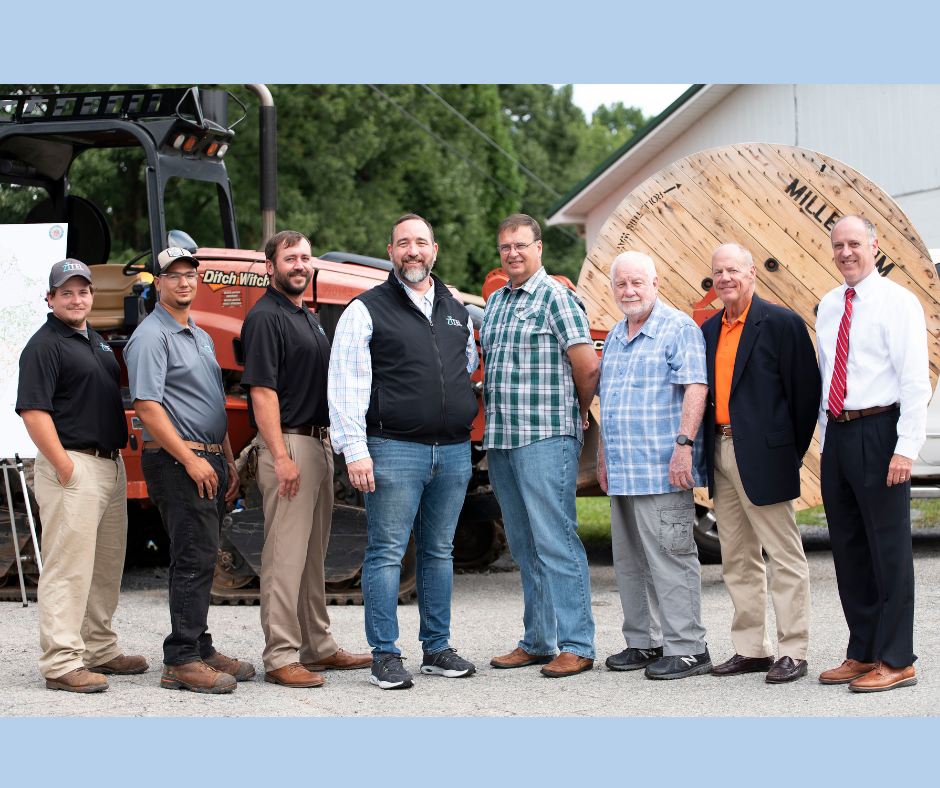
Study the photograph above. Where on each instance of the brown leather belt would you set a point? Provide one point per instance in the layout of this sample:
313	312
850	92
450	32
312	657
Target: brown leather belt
104	455
307	429
850	415
723	429
209	448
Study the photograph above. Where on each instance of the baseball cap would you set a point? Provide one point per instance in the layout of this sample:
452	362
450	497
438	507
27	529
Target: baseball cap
65	269
167	257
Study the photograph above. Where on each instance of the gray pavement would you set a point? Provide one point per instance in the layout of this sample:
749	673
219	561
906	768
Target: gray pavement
487	613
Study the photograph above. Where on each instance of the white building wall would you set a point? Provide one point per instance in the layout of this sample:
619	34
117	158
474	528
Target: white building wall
886	132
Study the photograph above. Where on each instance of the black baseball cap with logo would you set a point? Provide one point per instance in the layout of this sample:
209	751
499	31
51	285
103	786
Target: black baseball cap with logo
167	257
65	269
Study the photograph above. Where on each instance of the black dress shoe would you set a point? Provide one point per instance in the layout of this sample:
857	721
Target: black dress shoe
786	669
738	664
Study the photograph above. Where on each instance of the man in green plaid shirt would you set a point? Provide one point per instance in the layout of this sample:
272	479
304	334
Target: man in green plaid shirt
540	375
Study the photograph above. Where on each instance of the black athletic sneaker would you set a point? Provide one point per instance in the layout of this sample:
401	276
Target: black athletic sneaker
447	663
388	672
680	666
634	658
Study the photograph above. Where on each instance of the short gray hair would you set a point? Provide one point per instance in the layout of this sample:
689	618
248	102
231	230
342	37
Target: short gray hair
869	227
634	257
742	249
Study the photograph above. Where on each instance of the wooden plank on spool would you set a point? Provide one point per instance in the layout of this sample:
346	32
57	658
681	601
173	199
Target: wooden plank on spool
780	202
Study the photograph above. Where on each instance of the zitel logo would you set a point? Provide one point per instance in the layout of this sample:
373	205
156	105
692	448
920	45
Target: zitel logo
72	267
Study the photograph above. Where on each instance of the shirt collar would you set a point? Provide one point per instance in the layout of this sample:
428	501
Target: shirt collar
170	322
283	300
741	319
866	287
530	284
62	328
428	296
650	327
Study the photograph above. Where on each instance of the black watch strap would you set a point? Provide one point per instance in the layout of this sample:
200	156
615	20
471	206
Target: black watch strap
684	440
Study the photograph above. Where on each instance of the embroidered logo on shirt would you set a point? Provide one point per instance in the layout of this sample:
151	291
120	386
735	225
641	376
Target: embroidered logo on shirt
321	329
105	347
208	349
453	321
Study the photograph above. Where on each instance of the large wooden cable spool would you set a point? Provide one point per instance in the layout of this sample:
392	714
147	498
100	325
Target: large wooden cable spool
780	202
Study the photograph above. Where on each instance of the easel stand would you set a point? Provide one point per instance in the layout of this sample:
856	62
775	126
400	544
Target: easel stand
18	467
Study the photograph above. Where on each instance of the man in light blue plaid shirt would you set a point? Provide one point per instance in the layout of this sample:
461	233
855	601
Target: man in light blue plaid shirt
540	374
653	387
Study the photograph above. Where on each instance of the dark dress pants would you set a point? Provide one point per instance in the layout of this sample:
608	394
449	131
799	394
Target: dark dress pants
870	530
193	525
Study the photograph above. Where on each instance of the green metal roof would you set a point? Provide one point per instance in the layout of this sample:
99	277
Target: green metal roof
635	139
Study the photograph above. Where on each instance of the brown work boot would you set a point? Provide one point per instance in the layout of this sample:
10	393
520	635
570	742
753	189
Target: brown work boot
122	666
883	677
848	671
294	675
341	660
78	680
242	671
566	664
197	677
519	657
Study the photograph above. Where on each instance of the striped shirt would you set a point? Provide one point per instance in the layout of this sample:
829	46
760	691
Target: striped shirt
642	388
349	387
528	389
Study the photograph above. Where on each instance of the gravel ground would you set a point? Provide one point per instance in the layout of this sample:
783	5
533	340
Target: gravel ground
487	614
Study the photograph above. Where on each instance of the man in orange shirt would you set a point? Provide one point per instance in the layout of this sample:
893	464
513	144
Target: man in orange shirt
764	390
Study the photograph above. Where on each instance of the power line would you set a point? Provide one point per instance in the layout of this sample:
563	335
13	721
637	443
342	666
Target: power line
457	153
521	166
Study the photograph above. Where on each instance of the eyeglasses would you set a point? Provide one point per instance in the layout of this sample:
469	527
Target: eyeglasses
174	279
507	248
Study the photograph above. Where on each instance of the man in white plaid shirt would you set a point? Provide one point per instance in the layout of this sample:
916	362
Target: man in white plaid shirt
653	388
539	379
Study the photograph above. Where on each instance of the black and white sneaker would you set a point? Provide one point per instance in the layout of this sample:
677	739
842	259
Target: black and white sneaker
634	658
388	672
679	667
447	663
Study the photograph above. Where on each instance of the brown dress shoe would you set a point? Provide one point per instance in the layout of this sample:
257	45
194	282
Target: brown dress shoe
197	677
883	677
78	680
518	658
566	664
848	671
122	666
786	669
294	675
242	671
738	664
341	660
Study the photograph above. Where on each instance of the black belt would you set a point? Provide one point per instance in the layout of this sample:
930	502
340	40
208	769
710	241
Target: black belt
851	415
105	455
307	429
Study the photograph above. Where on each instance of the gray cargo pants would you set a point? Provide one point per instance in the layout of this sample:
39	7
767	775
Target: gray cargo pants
658	573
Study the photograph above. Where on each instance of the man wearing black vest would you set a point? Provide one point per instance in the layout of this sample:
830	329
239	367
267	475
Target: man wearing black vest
401	411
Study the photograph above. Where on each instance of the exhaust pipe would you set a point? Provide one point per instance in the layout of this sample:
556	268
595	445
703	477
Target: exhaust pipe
267	115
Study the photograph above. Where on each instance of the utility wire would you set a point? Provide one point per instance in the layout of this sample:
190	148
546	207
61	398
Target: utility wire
521	166
457	153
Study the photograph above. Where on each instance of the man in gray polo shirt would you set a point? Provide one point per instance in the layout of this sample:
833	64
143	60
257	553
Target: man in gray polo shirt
176	385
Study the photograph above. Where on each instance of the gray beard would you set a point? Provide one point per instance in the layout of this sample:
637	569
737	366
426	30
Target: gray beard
414	276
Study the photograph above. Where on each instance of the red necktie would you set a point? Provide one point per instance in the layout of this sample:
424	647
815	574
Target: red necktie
837	389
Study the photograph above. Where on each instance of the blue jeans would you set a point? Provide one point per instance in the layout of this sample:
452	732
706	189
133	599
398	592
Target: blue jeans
422	487
536	486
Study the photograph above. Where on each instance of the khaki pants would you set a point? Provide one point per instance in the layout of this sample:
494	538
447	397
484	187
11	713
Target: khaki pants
296	534
84	534
743	529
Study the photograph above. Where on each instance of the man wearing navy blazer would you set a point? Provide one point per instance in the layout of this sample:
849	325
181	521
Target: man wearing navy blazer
764	390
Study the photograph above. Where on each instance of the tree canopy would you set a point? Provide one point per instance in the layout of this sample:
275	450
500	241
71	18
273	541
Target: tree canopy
350	162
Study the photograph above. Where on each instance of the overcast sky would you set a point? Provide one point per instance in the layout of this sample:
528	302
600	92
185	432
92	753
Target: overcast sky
652	99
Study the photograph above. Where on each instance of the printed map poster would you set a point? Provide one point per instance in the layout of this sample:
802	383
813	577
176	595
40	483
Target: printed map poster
27	252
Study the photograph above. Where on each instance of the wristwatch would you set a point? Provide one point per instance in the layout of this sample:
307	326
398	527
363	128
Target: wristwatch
684	440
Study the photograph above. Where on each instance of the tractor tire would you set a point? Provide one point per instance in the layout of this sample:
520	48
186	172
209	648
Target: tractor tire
706	535
477	543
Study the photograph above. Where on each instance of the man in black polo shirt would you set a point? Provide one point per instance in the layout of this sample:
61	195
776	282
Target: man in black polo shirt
287	358
70	400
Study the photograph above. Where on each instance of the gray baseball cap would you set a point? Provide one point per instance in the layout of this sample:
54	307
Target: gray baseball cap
64	270
167	257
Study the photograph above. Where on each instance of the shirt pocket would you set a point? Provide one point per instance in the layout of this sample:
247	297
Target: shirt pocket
675	531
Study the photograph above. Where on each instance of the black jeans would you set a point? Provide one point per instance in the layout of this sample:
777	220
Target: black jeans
870	529
193	525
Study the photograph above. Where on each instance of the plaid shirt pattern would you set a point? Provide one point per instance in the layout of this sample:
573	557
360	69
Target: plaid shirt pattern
349	386
642	387
528	389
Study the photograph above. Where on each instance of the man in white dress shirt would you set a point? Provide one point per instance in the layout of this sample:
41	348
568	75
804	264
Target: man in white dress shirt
872	341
